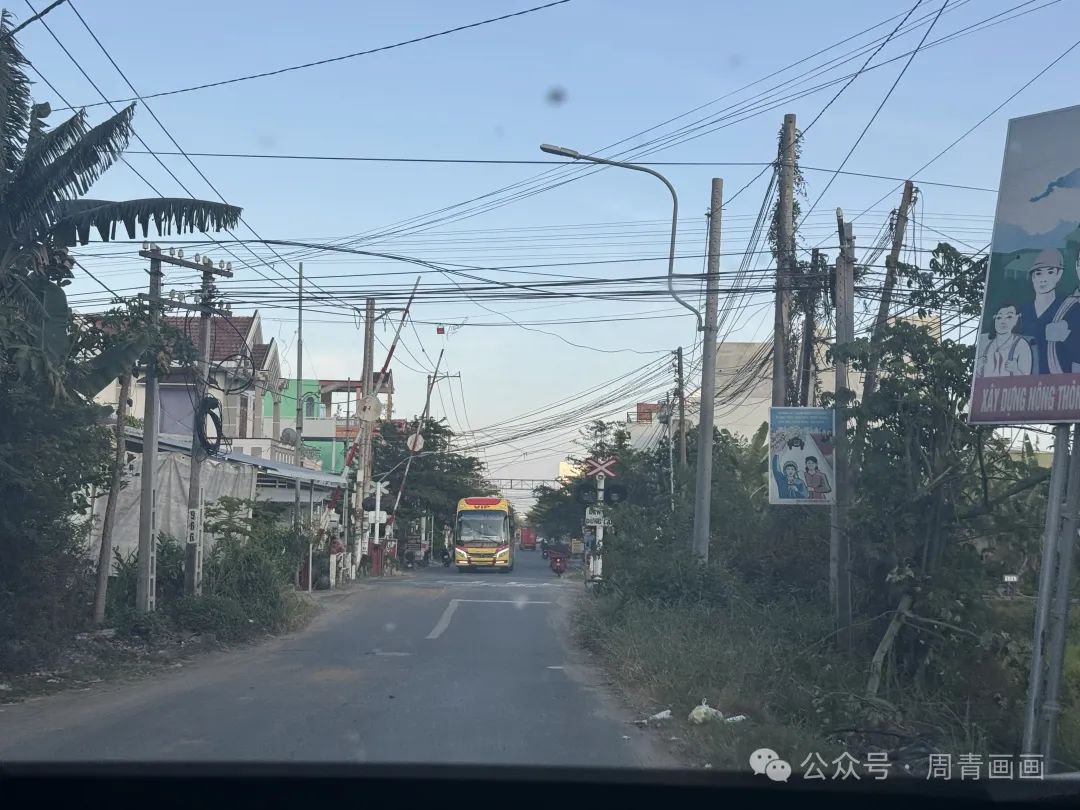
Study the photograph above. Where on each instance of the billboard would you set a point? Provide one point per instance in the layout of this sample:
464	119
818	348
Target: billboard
801	445
1027	364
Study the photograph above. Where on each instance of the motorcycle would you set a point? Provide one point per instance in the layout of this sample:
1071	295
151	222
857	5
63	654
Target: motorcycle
446	558
558	564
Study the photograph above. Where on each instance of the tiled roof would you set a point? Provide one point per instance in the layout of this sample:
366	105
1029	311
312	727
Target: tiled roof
259	353
227	337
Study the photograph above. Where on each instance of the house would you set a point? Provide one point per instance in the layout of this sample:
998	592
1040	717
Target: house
245	373
329	408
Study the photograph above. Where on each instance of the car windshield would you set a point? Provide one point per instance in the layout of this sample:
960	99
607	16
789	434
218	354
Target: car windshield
557	382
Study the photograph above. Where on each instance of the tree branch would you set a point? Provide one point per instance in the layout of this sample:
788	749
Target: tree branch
1020	486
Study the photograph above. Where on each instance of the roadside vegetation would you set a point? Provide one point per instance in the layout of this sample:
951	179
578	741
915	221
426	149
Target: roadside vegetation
941	510
56	446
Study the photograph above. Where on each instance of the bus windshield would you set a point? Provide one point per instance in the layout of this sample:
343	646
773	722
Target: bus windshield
482	528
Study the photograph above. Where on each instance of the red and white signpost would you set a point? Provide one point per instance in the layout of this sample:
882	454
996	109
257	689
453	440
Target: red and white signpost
600	469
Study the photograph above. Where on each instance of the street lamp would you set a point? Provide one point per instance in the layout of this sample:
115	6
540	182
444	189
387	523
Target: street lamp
562	151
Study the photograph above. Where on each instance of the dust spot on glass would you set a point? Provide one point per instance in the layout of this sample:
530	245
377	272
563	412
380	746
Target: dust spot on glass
267	140
556	96
520	601
389	627
499	132
735	60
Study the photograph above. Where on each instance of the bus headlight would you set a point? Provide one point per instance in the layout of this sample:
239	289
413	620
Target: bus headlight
502	552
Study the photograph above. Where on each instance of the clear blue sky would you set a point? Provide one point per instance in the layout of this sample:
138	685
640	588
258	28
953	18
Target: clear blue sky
625	65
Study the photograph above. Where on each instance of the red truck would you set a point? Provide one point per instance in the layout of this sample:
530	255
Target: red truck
528	538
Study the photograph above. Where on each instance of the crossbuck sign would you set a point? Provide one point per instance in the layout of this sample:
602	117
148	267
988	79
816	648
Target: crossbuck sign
600	466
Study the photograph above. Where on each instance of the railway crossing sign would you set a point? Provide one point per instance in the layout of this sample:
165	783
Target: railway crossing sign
595	467
382	487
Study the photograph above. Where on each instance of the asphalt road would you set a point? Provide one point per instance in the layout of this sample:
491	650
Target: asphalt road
433	667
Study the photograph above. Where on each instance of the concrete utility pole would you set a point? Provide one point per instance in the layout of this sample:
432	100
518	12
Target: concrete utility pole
298	454
144	584
1057	629
785	254
806	355
347	505
682	407
193	549
117	477
703	478
839	565
882	320
368	389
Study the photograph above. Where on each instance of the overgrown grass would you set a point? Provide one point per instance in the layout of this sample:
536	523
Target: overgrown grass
674	634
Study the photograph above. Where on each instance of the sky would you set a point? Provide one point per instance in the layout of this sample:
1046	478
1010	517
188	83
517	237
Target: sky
584	74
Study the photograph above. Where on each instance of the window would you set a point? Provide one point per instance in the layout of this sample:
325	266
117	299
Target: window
309	406
243	417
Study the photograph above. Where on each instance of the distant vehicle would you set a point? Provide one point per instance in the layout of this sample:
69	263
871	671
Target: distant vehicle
528	538
483	535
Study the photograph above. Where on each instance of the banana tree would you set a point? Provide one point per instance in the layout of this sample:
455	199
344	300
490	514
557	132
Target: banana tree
44	171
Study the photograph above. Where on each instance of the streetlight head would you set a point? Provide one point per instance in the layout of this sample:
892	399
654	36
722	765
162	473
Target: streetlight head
562	151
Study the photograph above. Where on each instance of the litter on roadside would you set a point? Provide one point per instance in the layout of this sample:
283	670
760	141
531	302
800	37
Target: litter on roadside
737	718
704	713
664	715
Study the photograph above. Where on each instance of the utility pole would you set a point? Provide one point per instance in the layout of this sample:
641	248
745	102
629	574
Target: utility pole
193	550
144	584
1059	608
416	441
669	418
682	408
785	251
347	505
703	477
298	455
899	228
368	390
839	566
806	354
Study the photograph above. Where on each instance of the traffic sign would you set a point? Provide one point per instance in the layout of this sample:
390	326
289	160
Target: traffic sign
600	466
415	443
382	487
594	516
368	408
376	517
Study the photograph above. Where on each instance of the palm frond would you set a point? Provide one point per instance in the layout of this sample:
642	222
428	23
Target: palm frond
14	100
33	200
78	217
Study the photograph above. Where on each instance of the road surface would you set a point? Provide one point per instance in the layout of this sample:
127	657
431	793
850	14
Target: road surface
434	667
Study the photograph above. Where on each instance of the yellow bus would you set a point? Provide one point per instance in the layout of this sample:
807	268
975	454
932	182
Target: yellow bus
483	535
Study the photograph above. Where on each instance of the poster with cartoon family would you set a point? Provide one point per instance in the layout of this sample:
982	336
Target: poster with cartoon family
1027	364
801	442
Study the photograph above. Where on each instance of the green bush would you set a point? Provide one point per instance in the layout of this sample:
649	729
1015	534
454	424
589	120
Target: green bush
120	597
211	614
243	572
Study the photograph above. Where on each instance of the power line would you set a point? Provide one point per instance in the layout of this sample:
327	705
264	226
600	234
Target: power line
873	117
37	16
331	60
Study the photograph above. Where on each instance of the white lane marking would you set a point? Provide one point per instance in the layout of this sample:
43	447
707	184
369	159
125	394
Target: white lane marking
444	620
554	667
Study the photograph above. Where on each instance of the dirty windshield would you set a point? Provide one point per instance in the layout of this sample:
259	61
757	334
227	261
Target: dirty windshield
710	381
482	528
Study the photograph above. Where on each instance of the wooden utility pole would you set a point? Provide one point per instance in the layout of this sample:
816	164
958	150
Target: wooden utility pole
785	254
703	476
117	478
882	320
144	583
839	557
193	549
809	336
682	408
